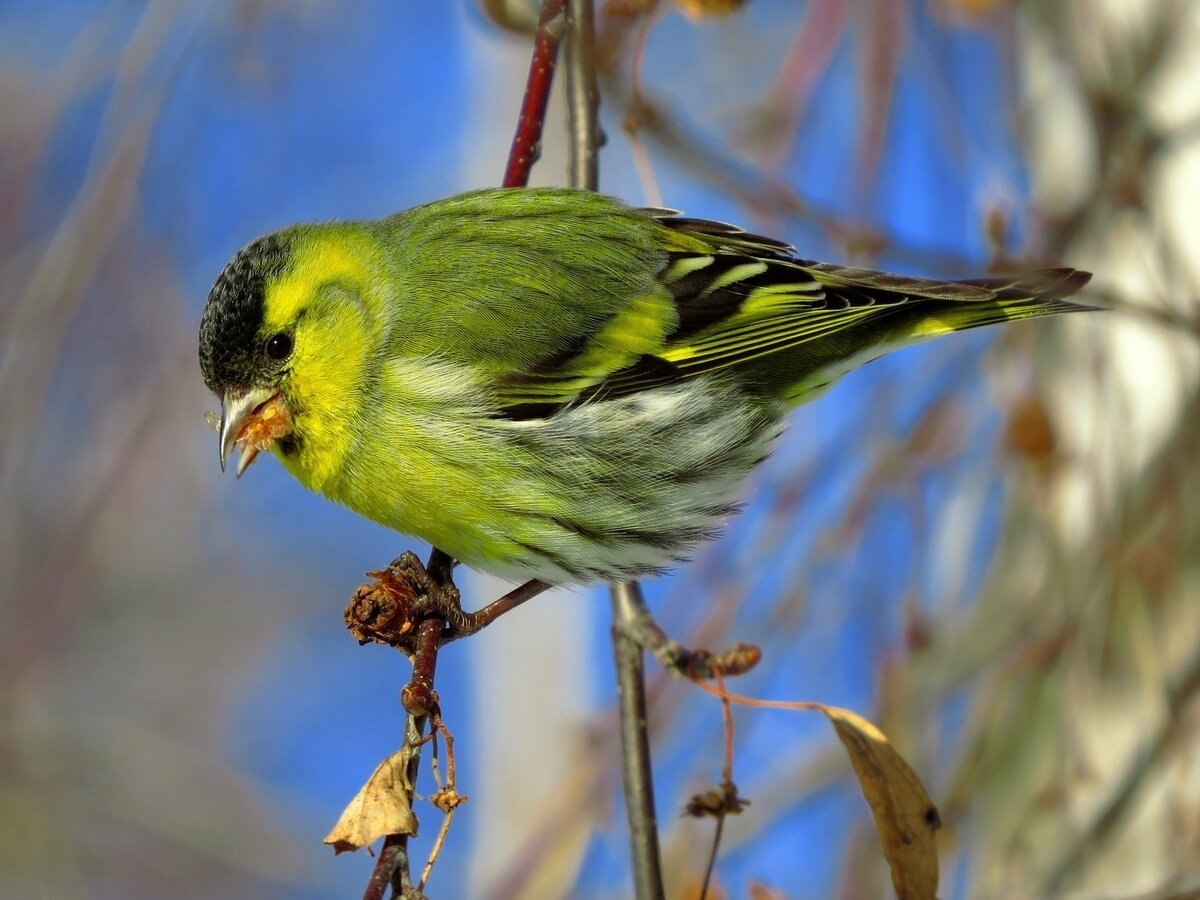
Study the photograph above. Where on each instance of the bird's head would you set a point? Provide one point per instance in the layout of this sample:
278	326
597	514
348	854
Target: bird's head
284	341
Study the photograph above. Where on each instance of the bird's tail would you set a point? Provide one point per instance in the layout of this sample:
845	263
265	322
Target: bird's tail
1027	296
908	312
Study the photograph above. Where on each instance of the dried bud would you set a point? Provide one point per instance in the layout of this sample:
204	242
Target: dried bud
448	799
717	801
381	611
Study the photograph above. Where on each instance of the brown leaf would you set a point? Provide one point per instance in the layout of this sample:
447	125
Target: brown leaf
1030	433
380	808
698	9
905	816
760	890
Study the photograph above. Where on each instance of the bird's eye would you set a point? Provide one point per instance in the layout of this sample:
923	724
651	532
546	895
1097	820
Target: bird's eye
279	347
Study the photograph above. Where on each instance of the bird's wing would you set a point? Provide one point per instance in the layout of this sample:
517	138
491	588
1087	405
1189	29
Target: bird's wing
737	297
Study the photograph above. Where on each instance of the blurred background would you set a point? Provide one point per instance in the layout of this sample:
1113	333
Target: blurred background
989	545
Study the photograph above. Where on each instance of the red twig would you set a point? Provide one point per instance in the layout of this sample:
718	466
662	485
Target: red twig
527	142
418	696
385	866
729	801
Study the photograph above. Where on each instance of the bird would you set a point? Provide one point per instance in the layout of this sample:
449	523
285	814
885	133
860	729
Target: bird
549	383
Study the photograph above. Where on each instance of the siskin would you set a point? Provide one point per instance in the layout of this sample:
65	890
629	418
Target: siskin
547	383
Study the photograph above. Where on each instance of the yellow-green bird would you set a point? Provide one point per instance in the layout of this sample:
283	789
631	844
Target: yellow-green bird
545	382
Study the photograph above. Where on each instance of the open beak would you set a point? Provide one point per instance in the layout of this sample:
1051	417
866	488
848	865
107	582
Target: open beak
237	411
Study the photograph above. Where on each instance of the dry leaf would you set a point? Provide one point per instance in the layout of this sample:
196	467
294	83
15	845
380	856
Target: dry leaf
1030	433
380	808
905	816
760	890
698	9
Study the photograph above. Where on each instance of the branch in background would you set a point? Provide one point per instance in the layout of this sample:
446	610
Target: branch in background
636	771
762	193
1099	833
584	141
583	98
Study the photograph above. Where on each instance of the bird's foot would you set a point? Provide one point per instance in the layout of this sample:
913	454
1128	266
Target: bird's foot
406	593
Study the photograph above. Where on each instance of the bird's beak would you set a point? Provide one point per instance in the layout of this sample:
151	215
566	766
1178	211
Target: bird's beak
237	410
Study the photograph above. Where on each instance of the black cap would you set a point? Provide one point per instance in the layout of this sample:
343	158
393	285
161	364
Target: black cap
233	315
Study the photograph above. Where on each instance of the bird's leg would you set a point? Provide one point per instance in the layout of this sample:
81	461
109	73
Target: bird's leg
439	598
440	568
436	595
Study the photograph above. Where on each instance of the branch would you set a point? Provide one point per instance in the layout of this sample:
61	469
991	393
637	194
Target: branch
584	138
432	629
393	866
1103	828
527	142
583	98
636	773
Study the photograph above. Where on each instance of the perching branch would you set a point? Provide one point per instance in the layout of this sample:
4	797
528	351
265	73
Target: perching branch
393	866
636	770
418	629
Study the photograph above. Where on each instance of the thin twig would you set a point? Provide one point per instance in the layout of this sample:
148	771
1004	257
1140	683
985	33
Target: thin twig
726	779
713	850
583	170
723	802
424	668
527	142
447	799
436	851
381	875
418	696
